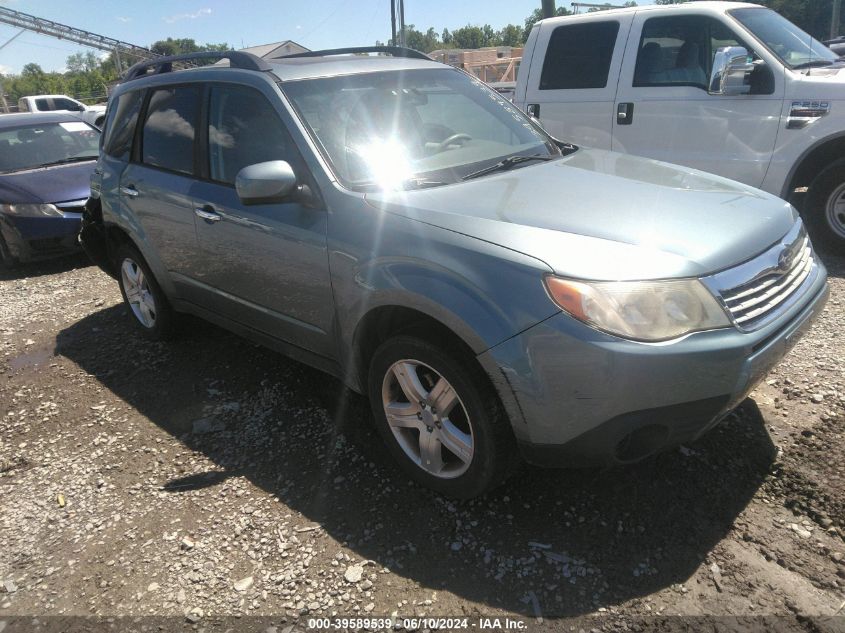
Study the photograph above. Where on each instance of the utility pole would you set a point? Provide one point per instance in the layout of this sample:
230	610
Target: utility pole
548	8
834	23
402	38
393	22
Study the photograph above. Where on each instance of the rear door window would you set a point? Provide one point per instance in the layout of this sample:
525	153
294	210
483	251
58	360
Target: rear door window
170	126
579	56
44	105
120	125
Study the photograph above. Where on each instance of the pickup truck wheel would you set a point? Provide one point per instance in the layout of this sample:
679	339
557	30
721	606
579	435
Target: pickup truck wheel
145	302
825	208
440	418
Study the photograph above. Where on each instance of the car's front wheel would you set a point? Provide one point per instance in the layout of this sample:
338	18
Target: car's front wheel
440	417
7	260
145	302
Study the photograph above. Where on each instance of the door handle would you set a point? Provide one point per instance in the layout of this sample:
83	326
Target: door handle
207	214
625	113
130	191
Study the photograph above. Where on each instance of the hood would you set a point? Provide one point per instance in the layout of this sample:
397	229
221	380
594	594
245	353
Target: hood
602	215
59	183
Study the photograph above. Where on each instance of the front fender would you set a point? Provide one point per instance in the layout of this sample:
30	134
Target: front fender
482	292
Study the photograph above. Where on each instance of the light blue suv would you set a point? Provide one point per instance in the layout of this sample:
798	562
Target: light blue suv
397	224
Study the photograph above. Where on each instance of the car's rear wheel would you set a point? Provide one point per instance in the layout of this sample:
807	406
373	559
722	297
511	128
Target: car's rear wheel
440	417
145	302
825	208
7	261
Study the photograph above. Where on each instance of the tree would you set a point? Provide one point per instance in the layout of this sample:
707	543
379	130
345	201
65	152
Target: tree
536	16
510	35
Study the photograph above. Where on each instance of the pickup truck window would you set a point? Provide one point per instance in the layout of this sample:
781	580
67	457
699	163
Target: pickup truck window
678	50
43	105
791	45
578	56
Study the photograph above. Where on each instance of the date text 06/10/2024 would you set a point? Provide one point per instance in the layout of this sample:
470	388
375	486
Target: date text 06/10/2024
452	624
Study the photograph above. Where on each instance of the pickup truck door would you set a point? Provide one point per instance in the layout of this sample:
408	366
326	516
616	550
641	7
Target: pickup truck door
572	77
663	108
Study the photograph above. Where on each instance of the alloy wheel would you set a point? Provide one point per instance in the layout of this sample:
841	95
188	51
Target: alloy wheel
138	293
428	419
835	211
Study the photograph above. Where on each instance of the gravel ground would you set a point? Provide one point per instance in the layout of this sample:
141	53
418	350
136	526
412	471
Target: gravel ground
207	477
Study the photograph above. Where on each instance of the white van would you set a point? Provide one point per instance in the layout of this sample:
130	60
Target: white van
726	87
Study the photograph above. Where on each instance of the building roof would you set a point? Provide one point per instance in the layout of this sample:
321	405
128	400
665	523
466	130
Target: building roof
276	49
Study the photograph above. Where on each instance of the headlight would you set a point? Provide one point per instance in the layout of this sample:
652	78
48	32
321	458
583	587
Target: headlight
30	210
640	310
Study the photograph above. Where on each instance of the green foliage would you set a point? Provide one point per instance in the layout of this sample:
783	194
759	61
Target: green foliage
536	16
87	76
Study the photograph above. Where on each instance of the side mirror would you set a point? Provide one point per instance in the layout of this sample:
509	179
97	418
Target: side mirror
730	66
265	182
76	107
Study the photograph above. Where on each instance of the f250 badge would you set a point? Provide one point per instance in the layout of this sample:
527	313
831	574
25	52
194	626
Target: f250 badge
802	113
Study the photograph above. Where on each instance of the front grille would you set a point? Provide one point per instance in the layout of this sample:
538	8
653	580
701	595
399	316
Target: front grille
756	292
760	296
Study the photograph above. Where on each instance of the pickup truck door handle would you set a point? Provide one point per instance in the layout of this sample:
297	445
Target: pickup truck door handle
130	191
208	214
625	113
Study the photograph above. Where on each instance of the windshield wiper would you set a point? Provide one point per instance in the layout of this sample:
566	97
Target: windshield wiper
815	63
72	159
505	164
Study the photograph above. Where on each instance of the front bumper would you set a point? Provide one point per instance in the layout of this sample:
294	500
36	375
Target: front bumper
35	238
588	398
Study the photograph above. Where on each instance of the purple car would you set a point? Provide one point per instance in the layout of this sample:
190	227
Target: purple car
46	161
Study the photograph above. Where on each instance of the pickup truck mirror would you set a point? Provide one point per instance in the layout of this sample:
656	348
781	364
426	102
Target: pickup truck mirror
730	66
265	182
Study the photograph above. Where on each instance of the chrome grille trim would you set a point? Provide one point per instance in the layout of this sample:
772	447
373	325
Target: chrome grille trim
758	291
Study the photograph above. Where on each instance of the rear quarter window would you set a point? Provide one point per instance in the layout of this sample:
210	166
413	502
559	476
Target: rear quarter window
119	128
578	56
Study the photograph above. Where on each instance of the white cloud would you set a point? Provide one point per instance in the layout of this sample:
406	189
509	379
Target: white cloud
5	70
170	19
123	19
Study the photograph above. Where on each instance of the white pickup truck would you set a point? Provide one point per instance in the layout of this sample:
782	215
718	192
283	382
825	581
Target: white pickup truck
95	115
726	87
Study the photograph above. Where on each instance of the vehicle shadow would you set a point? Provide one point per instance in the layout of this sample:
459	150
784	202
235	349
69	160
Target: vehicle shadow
833	261
46	267
562	542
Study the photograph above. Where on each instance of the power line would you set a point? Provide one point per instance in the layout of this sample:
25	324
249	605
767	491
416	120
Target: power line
65	32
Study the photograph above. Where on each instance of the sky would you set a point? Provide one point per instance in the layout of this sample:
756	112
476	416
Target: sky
312	23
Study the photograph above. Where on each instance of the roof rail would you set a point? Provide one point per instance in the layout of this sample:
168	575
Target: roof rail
395	51
237	59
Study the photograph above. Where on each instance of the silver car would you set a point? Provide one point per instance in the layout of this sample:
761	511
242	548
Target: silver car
495	292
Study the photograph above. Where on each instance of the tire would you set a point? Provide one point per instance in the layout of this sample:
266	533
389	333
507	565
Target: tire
462	454
824	211
7	261
147	306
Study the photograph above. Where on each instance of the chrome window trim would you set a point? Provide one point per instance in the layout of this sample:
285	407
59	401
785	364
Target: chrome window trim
792	257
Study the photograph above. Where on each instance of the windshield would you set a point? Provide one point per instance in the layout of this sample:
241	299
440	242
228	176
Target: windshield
791	45
412	128
29	146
